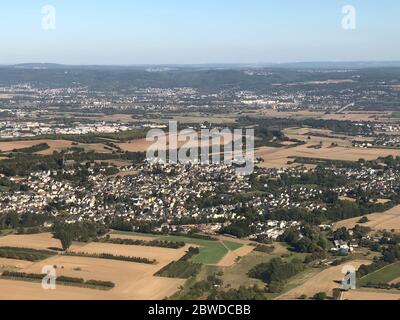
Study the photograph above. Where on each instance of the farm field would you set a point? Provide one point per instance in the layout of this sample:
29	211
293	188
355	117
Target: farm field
232	276
387	220
324	281
232	245
201	118
133	281
384	275
314	136
162	255
20	290
211	252
365	295
344	116
41	241
236	275
140	145
279	157
55	145
14	264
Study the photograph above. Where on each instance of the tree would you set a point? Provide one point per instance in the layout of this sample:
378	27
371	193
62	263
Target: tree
276	286
320	296
66	240
363	220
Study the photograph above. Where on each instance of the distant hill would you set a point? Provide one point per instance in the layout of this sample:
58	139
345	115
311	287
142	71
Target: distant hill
288	65
204	77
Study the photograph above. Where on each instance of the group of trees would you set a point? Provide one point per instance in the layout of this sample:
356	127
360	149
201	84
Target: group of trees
308	239
336	211
389	247
337	126
137	242
358	232
239	229
276	272
13	220
111	257
35	148
25	253
243	294
184	268
97	284
82	232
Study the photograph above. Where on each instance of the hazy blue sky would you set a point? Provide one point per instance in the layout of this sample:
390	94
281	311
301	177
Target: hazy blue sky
197	31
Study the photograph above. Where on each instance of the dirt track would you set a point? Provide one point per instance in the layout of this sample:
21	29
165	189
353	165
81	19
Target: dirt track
230	258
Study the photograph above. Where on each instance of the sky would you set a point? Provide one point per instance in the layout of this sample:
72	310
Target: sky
129	32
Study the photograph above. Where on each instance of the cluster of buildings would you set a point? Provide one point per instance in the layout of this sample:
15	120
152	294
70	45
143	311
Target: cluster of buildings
191	196
13	129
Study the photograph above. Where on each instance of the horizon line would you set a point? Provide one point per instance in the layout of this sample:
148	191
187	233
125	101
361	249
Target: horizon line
205	64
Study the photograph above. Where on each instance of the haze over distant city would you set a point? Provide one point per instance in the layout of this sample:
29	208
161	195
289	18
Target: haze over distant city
197	32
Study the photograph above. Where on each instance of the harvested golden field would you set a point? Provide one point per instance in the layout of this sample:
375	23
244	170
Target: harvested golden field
55	145
231	257
42	241
14	264
140	145
20	290
324	281
387	220
370	295
214	119
162	255
133	281
343	116
357	116
327	137
270	113
279	157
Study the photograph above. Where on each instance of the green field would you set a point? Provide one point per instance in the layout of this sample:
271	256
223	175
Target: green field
396	114
232	245
211	252
384	275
